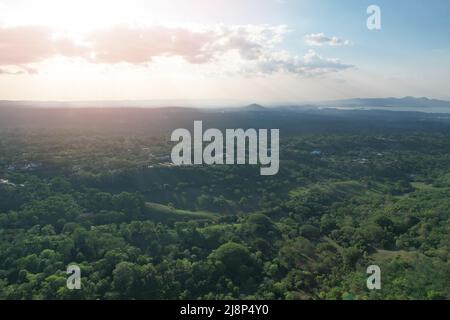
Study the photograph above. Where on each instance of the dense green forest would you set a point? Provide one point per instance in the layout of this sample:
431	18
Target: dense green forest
354	189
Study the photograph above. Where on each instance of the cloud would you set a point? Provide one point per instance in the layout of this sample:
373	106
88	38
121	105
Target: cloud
22	45
8	72
255	47
137	45
18	70
310	64
320	39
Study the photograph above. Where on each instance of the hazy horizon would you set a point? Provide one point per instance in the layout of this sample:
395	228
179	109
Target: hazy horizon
224	101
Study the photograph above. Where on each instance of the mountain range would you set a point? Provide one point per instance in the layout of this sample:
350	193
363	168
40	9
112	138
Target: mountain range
407	102
411	102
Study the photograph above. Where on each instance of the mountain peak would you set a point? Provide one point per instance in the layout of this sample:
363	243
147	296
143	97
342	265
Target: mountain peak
254	106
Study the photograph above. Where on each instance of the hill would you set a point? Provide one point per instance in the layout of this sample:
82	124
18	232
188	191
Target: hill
391	102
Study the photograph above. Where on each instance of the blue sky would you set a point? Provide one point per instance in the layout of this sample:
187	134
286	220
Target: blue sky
411	29
222	50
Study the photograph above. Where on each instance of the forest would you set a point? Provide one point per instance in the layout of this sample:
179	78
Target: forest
96	188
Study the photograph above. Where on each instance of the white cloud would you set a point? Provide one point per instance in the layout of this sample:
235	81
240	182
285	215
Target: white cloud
206	44
320	39
253	48
310	64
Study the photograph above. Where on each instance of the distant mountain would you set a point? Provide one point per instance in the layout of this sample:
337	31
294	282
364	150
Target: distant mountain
390	102
233	105
254	107
249	108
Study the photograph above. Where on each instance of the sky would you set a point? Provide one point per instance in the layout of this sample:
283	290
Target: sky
262	51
